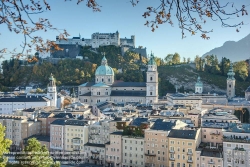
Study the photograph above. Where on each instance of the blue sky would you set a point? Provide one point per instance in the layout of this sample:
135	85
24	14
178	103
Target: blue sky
120	15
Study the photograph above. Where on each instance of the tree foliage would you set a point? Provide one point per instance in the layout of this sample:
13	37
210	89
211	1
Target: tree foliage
190	15
4	146
35	155
211	64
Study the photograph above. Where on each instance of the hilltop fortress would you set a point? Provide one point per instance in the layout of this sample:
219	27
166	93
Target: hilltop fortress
100	39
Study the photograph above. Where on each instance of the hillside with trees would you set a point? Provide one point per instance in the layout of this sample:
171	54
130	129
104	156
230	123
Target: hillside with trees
173	71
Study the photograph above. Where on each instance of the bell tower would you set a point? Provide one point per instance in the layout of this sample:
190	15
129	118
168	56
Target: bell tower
51	91
152	81
198	86
230	83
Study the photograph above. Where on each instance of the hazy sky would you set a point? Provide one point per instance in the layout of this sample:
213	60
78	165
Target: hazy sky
120	15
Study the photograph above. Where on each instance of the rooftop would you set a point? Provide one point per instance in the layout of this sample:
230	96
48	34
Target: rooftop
183	134
138	121
44	115
220	116
218	125
39	138
58	122
160	124
117	133
63	115
238	128
75	122
24	99
128	93
88	84
129	84
29	110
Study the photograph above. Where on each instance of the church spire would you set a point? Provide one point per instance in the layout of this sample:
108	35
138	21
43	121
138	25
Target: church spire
230	74
104	61
52	81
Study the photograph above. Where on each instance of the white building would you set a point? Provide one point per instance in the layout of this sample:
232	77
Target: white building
106	89
10	104
133	151
236	145
184	99
99	132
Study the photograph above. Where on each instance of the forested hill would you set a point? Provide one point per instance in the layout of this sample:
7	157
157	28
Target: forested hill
76	71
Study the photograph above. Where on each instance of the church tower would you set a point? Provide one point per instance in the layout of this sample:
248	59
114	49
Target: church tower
51	91
198	86
230	83
152	82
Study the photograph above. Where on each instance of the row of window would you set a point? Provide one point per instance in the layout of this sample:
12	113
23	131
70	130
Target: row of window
131	162
131	148
179	165
183	143
156	145
125	141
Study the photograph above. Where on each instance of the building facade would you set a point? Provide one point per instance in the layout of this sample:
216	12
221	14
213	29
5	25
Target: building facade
133	151
182	147
106	89
99	39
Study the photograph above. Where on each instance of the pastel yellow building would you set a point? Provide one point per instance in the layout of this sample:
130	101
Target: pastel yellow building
182	147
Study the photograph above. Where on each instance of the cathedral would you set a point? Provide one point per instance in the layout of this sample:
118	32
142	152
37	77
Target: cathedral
105	88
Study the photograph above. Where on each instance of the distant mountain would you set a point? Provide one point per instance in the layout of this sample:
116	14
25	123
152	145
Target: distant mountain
235	51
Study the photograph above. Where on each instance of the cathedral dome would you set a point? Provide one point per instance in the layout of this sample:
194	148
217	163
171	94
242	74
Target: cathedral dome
104	69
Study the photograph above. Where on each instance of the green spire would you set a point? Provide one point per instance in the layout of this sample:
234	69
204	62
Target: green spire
104	61
152	60
230	74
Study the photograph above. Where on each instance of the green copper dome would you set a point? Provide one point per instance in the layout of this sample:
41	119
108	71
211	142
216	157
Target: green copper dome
198	83
104	69
152	60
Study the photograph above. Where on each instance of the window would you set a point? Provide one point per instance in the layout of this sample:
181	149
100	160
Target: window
151	93
151	78
98	93
204	136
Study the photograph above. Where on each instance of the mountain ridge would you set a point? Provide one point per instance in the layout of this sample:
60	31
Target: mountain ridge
233	50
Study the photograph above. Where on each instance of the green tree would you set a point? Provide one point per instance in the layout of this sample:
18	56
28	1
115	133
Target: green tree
197	61
188	60
224	66
241	70
184	60
168	59
4	146
35	155
176	58
39	90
